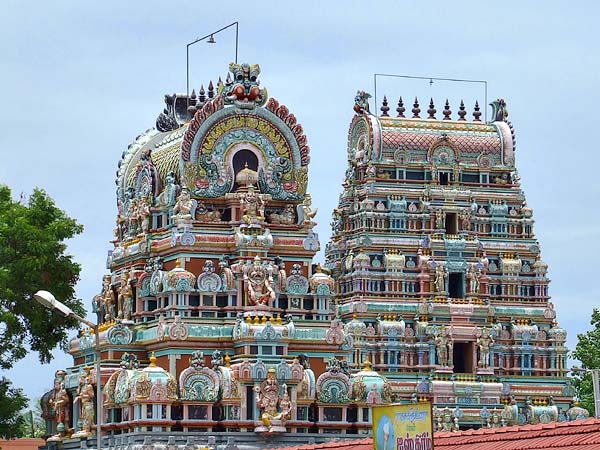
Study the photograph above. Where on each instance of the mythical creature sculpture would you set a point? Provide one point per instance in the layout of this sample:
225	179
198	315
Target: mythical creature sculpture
361	102
244	89
286	217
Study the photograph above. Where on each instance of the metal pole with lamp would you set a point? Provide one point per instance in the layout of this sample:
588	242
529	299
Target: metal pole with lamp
48	300
211	40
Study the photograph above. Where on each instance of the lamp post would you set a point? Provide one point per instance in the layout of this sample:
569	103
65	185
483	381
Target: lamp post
211	40
48	300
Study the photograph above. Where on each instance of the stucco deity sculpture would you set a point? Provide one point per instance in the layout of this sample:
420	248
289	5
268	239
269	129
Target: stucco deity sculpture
182	212
484	344
168	196
274	408
474	276
306	213
144	215
253	206
444	346
108	299
441	273
258	279
85	399
59	402
125	298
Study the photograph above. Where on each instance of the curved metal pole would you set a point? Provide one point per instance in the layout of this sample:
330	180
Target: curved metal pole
187	53
375	75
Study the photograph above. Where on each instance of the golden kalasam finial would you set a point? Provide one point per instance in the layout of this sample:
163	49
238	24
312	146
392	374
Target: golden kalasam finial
152	360
367	364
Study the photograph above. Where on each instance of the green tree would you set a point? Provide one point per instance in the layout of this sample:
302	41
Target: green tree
32	424
12	401
32	257
587	352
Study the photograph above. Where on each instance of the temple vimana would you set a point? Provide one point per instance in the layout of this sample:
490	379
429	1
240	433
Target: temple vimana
219	329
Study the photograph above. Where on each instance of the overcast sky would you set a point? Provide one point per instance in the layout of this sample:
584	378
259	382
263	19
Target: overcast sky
80	80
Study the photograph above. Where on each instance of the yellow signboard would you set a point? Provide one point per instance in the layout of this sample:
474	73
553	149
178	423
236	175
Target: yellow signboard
403	427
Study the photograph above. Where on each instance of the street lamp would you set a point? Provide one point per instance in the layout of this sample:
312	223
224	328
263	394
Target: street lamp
48	300
210	40
596	385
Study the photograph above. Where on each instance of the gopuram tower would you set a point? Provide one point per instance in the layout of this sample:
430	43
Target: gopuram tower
217	329
439	275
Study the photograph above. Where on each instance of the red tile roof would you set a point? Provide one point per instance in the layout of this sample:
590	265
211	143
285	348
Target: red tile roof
577	435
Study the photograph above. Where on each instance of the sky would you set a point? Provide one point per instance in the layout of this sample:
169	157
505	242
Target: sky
80	80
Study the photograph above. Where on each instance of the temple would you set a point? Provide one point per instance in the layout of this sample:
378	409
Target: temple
218	328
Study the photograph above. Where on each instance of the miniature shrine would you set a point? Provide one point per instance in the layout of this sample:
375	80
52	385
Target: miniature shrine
217	326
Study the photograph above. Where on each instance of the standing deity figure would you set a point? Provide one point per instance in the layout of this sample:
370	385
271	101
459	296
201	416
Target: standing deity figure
444	346
133	217
85	398
465	220
484	343
259	283
474	276
440	219
275	409
441	273
183	209
253	206
306	213
125	298
226	275
144	215
108	299
59	402
168	196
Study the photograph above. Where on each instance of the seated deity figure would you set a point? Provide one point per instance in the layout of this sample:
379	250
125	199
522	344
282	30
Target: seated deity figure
274	408
306	214
259	283
182	212
253	206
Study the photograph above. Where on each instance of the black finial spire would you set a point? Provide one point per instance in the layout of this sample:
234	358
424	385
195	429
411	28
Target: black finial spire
416	110
447	111
211	89
462	111
385	108
476	112
400	108
431	111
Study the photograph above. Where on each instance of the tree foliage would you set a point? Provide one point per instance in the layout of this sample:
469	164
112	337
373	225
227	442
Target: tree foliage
587	352
32	257
12	401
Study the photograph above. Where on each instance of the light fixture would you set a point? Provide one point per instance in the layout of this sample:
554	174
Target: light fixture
211	40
